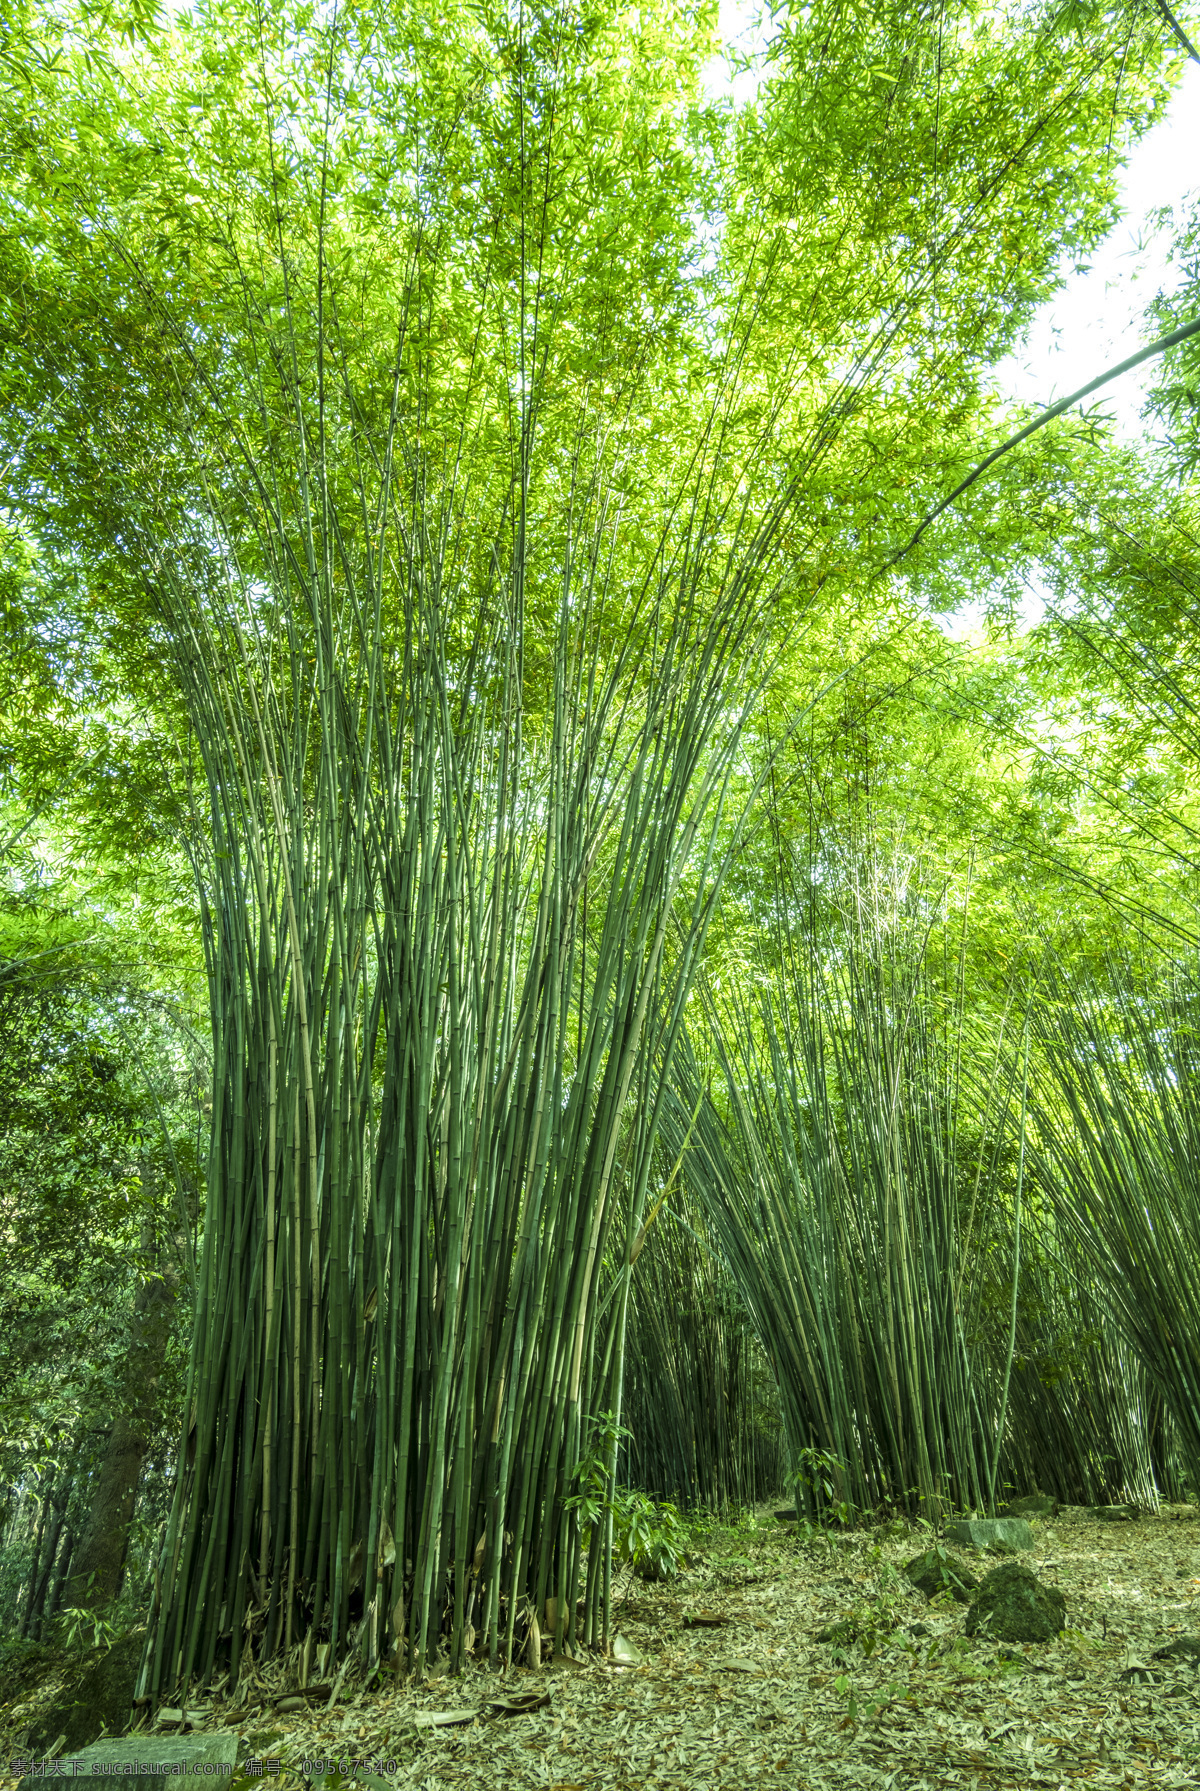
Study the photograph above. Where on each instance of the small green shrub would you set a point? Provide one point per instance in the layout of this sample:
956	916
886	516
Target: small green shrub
648	1535
816	1479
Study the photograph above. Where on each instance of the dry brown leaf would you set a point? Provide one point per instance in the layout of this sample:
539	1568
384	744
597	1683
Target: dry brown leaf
520	1705
304	1693
387	1544
1039	1718
533	1643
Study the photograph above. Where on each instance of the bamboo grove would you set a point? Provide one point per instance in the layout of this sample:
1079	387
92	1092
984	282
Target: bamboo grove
466	432
961	1286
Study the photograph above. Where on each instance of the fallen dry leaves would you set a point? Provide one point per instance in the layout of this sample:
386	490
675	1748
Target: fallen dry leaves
756	1700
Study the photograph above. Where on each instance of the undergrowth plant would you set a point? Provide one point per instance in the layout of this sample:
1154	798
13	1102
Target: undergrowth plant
77	1622
647	1535
816	1477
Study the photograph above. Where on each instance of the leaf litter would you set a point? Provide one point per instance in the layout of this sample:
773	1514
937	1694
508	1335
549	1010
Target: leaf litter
902	1700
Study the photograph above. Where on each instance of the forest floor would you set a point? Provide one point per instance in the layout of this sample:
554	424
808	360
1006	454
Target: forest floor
732	1689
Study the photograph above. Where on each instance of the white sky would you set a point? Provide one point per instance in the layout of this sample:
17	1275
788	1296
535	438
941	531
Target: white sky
740	32
1098	317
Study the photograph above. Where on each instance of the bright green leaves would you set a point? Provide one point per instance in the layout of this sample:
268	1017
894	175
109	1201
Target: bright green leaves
904	232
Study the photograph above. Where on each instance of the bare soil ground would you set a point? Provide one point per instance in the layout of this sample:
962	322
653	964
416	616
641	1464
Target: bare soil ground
728	1687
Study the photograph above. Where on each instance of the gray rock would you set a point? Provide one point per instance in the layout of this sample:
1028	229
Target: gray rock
937	1570
1012	1605
98	1697
1003	1535
149	1762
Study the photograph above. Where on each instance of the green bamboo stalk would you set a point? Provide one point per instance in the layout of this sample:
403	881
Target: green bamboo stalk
1016	1281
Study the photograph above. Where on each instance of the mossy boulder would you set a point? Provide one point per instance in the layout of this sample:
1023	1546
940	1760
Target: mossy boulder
937	1570
1012	1605
25	1664
895	1528
97	1697
1031	1505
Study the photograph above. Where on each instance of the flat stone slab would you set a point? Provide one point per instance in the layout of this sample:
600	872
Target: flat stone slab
1004	1533
140	1762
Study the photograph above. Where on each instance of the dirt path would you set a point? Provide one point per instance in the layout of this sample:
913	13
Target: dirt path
733	1690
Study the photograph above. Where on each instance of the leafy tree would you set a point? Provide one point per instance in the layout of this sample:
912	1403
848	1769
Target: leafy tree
91	1232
